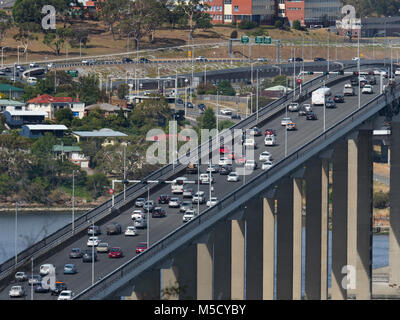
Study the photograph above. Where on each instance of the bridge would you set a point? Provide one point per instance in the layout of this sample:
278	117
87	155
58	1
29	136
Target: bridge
228	251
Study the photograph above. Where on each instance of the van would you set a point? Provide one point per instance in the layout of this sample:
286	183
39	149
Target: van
32	80
46	268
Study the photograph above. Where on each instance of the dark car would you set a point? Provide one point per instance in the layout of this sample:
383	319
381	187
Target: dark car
363	82
158	212
329	103
295	59
115	253
142	246
163	199
371	80
93	230
60	286
189	105
114	228
338	98
311	116
126	60
319	59
75	253
144	60
179	103
201	106
87	256
302	111
40	289
235	116
354	81
225	169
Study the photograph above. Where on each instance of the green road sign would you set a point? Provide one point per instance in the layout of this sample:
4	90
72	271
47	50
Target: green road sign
258	39
245	39
73	73
267	40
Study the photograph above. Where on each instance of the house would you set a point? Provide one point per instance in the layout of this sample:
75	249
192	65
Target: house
72	154
10	105
107	108
275	92
37	130
106	133
10	91
52	104
18	118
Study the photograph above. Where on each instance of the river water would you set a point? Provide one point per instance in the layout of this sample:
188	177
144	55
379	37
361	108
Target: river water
34	226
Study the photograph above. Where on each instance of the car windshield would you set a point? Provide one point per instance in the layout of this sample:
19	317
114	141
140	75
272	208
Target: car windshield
115	249
142	245
174	199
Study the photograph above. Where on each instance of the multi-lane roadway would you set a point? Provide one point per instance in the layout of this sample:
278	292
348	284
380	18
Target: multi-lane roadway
160	227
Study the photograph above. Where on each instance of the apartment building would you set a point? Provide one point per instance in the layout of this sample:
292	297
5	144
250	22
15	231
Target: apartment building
313	12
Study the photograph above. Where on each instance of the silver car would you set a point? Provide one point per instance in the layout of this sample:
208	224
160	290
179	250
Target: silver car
186	205
21	276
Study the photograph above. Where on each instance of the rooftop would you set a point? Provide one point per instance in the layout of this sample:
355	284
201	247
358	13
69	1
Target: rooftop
105	106
33	127
6	102
105	132
46	98
27	113
8	87
61	148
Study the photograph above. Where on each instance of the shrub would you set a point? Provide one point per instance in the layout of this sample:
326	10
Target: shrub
296	25
234	34
381	200
247	25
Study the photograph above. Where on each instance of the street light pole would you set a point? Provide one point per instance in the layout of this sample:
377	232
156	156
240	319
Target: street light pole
73	201
124	171
2	55
257	97
93	256
358	60
16	233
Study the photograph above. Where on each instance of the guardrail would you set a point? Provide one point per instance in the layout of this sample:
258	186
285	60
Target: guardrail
212	213
136	190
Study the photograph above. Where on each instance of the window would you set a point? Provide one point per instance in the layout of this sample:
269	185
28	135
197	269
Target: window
236	8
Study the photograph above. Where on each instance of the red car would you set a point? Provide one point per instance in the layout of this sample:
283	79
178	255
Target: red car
115	253
269	132
141	247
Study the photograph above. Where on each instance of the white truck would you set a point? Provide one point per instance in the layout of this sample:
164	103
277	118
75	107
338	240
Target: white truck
318	96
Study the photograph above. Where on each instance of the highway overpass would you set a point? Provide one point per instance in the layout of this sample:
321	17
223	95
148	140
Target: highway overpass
120	277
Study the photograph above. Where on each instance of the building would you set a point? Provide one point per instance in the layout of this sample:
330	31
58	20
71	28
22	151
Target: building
108	135
37	130
10	105
52	104
10	91
72	154
107	108
370	27
313	12
18	118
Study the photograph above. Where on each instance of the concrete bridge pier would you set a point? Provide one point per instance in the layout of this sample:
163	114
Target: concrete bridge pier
316	264
146	287
289	233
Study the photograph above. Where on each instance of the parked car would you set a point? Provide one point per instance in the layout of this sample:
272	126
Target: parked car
93	241
232	177
102	247
226	112
116	252
319	59
21	276
93	230
70	268
88	257
162	199
158	212
33	65
174	203
185	205
65	295
201	106
142	246
130	231
140	202
189	215
189	105
59	287
114	228
311	116
34	279
201	59
235	117
16	292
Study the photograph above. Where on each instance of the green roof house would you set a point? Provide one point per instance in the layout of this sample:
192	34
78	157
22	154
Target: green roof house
10	91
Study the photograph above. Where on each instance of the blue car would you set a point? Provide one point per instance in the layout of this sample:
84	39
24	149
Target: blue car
70	269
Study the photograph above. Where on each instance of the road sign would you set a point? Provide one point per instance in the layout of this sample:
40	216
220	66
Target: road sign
111	191
258	39
267	40
245	39
298	80
190	53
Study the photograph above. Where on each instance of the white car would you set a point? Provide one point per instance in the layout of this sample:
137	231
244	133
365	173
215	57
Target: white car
174	203
130	231
307	107
201	58
32	80
355	58
140	223
397	72
65	295
51	65
212	202
93	241
266	165
250	143
233	176
189	215
137	214
226	112
33	65
224	161
367	89
205	178
45	269
199	196
21	276
250	164
285	121
265	156
293	107
16	291
269	140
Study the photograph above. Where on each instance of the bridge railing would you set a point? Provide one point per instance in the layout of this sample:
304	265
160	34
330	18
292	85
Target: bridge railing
226	202
135	190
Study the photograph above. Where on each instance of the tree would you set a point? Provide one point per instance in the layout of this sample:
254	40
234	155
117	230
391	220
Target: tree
89	89
123	90
64	116
206	88
225	88
225	124
195	13
79	37
96	184
43	146
278	24
56	39
296	25
26	34
5	25
111	11
208	119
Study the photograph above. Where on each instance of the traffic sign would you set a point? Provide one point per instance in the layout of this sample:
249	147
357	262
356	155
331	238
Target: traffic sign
258	39
111	191
267	40
298	80
245	39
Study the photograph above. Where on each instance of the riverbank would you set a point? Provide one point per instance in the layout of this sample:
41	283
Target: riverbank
45	209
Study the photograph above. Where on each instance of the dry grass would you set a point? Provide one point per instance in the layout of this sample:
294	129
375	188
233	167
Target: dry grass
382	169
